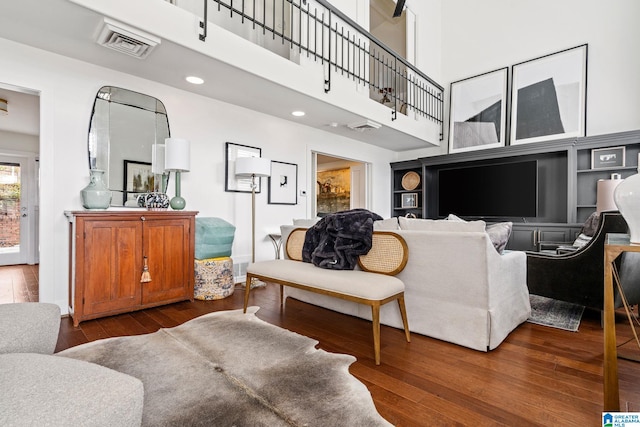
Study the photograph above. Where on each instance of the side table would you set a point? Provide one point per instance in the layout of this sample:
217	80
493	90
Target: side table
276	239
614	245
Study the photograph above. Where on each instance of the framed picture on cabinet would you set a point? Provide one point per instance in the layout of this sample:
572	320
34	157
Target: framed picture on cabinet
478	112
138	179
548	97
231	182
283	183
409	200
612	157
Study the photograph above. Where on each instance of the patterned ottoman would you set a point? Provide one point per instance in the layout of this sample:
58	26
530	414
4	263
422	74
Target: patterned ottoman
213	278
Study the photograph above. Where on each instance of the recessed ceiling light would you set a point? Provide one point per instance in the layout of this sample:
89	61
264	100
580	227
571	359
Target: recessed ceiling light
195	80
298	113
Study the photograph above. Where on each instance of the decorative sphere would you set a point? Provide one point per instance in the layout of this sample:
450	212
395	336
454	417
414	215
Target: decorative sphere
178	203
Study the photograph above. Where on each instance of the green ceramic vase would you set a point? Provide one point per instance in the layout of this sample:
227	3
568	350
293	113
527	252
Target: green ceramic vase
96	195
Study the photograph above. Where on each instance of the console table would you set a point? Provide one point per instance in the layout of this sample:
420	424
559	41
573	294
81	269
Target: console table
615	244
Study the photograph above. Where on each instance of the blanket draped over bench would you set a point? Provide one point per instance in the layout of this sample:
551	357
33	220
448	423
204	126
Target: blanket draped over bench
337	240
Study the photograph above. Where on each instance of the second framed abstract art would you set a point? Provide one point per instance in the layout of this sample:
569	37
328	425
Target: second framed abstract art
549	97
283	183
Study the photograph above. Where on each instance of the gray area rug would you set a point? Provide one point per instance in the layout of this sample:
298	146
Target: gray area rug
233	369
556	314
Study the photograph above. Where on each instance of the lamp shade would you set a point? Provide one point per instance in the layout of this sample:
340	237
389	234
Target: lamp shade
177	155
157	158
253	166
604	194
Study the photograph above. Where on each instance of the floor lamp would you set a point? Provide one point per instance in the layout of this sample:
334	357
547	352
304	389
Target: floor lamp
254	167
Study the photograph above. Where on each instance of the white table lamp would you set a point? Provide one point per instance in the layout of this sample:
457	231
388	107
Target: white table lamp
604	193
255	167
177	158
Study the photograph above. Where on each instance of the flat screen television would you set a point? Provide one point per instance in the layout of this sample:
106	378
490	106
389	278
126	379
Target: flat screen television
499	190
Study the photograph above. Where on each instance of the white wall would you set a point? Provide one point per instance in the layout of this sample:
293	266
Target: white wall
67	88
481	36
475	37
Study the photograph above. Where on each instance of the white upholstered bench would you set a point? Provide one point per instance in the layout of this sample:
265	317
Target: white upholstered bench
373	285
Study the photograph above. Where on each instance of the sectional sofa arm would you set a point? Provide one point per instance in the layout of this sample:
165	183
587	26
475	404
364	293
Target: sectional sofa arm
30	327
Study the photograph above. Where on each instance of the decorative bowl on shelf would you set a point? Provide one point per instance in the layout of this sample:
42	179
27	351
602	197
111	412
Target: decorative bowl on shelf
410	180
154	201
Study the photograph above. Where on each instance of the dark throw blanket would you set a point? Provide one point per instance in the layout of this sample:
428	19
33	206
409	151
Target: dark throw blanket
337	240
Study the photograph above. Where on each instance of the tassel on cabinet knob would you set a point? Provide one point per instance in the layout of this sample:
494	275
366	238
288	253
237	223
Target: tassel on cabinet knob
146	276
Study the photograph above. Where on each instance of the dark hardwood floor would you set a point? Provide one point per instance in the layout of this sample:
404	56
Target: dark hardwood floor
538	376
19	283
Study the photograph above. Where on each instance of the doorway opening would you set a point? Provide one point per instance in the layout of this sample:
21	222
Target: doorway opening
341	184
10	173
19	176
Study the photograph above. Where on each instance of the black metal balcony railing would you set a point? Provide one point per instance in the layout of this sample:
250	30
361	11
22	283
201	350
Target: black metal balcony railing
341	46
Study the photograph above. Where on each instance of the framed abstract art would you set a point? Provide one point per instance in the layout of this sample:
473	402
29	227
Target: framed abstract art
478	112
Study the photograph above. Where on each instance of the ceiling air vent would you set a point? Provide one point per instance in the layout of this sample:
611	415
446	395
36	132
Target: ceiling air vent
126	39
363	125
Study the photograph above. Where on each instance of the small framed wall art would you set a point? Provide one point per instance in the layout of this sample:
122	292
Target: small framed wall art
283	183
549	97
409	200
611	157
138	179
478	112
231	182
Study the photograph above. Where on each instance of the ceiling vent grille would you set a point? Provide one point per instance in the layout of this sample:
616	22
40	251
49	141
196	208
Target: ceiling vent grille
363	125
126	39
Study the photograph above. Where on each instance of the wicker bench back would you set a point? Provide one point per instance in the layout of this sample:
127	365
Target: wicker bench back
388	254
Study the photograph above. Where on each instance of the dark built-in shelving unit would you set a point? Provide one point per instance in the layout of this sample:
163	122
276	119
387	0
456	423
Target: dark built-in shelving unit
566	182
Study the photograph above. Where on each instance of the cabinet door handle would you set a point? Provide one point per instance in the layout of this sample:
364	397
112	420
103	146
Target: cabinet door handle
143	218
146	276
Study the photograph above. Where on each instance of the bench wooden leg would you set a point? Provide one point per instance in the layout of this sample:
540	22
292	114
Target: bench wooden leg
247	289
403	313
375	319
281	295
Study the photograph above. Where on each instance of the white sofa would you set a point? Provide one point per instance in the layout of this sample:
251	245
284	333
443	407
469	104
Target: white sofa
458	288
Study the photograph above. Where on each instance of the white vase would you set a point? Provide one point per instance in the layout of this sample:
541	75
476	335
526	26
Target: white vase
627	198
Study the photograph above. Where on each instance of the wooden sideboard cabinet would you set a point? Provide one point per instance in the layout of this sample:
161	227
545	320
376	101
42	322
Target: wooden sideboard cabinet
107	260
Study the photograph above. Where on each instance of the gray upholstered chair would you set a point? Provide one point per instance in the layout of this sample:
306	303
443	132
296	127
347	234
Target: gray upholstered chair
39	388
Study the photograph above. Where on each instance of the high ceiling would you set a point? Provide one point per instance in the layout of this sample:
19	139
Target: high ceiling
68	29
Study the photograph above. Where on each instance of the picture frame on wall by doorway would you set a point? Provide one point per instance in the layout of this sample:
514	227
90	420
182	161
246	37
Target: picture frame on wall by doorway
549	97
283	183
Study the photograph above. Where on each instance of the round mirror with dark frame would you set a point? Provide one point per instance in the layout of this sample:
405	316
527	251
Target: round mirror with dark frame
125	126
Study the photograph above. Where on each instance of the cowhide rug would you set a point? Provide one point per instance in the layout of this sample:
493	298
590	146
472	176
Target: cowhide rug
233	369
